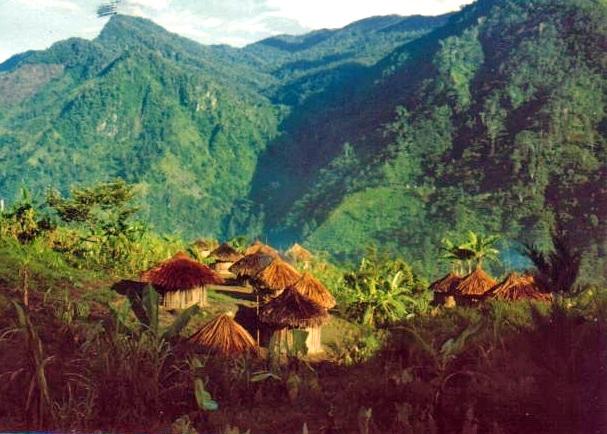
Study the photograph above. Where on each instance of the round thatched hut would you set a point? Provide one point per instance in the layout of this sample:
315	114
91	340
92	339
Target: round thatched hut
181	281
225	337
225	255
259	247
444	288
515	287
474	286
312	288
299	254
292	310
250	265
204	247
276	277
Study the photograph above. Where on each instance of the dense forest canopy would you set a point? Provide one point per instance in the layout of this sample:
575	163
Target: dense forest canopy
392	130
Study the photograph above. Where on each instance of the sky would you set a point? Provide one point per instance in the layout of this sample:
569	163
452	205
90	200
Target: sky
36	24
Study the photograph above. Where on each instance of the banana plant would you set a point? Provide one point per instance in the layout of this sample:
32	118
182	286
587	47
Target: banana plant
146	310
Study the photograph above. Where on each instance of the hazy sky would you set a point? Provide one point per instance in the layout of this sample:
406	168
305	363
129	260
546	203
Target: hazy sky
36	24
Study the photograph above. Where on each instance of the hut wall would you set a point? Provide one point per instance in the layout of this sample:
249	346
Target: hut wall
223	267
185	299
313	341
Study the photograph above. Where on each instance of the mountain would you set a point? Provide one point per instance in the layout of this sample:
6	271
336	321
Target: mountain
392	130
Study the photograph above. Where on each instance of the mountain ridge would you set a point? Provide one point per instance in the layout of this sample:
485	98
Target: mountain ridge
309	143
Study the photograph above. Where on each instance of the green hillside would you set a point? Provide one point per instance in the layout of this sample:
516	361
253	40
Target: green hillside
392	130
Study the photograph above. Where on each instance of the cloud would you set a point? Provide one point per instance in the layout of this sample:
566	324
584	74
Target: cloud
57	5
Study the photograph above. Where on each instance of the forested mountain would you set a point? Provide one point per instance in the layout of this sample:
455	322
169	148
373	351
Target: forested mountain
392	130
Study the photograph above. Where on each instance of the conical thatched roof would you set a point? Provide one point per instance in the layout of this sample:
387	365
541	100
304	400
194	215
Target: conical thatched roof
299	253
226	253
204	244
293	310
259	247
476	283
250	265
516	287
310	287
277	276
224	336
180	273
447	284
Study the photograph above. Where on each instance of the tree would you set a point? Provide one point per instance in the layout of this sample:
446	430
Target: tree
105	213
481	247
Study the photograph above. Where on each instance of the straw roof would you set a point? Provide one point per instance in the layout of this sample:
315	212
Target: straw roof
250	265
447	284
310	287
476	283
226	253
516	287
299	253
224	336
277	276
204	244
259	247
180	273
293	310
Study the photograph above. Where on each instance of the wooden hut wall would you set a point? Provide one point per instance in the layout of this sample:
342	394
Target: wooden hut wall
313	340
185	299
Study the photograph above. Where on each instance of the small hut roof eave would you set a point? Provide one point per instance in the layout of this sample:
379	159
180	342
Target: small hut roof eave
180	273
446	284
293	310
250	265
477	283
224	336
226	253
312	288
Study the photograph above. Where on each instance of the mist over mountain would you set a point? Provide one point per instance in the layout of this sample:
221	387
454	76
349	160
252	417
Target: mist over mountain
392	130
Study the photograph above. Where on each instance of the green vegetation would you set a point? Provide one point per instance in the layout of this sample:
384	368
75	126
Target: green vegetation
390	131
75	355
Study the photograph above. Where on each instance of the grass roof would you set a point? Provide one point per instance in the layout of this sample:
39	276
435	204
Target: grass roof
476	283
516	287
447	284
299	253
250	265
312	288
293	310
224	336
226	253
180	273
277	276
259	247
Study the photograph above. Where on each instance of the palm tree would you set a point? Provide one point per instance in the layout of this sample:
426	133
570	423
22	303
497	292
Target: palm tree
481	247
457	255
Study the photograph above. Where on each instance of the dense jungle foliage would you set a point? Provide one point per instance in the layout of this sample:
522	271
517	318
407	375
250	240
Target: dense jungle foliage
390	131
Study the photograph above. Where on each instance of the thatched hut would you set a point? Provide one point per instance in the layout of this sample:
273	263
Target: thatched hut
475	285
312	288
204	247
276	277
444	288
225	255
181	281
225	337
259	247
292	310
298	253
515	287
250	265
